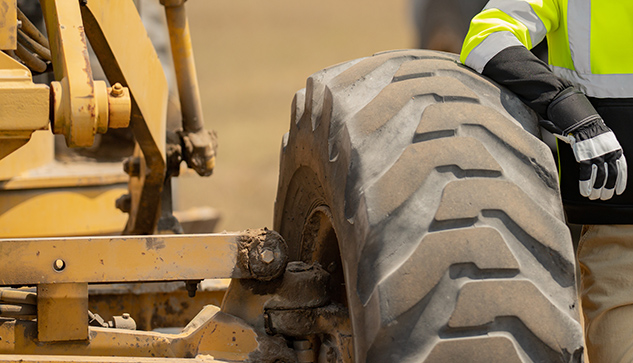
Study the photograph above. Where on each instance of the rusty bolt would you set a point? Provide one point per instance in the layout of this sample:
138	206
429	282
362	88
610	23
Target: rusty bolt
124	203
117	90
59	264
267	255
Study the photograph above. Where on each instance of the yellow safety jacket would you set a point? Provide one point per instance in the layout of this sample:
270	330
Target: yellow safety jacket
590	42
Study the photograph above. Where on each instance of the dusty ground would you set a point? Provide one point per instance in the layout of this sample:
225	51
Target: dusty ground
252	56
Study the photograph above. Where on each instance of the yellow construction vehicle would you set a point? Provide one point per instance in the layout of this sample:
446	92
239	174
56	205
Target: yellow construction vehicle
390	240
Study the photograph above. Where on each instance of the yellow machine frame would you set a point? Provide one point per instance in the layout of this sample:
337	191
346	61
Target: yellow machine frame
78	107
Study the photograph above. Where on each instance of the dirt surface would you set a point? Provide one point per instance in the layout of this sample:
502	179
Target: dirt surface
252	56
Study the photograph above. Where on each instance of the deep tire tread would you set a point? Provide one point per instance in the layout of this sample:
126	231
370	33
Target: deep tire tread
452	203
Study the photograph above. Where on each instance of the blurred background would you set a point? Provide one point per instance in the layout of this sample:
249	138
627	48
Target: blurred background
251	57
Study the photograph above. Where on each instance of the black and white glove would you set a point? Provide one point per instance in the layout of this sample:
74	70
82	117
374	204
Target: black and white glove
602	165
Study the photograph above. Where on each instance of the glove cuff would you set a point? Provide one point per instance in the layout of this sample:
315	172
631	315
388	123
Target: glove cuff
571	109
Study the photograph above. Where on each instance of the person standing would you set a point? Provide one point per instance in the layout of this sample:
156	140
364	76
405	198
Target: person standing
585	98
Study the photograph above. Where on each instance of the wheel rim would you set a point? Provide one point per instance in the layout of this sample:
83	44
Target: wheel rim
319	243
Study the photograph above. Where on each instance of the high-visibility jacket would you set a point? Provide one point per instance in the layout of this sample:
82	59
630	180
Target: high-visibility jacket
591	47
590	42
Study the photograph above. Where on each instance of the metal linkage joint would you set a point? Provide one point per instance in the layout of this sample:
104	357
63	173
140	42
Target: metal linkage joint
262	254
303	312
199	150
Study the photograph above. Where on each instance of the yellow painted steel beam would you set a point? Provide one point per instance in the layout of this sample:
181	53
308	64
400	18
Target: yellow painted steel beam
68	211
211	335
126	54
24	106
124	259
59	205
8	24
80	173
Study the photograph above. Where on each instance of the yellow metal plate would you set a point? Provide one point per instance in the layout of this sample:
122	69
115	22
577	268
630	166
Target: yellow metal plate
120	259
24	105
61	212
61	310
8	24
37	152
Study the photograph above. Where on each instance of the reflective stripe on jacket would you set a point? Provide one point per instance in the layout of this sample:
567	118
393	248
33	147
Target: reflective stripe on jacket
590	42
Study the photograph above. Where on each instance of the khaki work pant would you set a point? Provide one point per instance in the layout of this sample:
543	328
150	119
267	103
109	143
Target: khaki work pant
605	255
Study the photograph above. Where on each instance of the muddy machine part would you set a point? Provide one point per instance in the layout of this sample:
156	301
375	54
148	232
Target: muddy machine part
61	269
44	301
418	213
432	183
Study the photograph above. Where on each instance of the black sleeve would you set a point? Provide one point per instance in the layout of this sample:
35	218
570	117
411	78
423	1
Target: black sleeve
528	77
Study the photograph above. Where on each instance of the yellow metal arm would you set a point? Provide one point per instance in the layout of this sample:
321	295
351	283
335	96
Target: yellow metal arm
120	259
81	106
199	144
127	56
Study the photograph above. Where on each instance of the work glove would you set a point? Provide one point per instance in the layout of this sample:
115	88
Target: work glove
602	165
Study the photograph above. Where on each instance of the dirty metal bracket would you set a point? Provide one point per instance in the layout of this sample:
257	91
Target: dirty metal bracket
209	336
62	268
259	254
301	310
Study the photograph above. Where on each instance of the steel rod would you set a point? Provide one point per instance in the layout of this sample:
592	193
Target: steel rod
14	311
33	45
13	296
31	61
31	30
184	65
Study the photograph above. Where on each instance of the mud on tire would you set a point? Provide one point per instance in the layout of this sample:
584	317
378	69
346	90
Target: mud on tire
445	207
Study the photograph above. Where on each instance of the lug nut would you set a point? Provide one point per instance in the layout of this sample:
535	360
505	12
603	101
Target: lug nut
117	90
267	255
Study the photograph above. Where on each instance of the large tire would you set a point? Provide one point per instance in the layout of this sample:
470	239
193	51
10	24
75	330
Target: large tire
444	205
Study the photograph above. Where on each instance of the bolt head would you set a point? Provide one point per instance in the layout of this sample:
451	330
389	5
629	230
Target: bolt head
117	90
132	166
59	264
267	255
124	203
